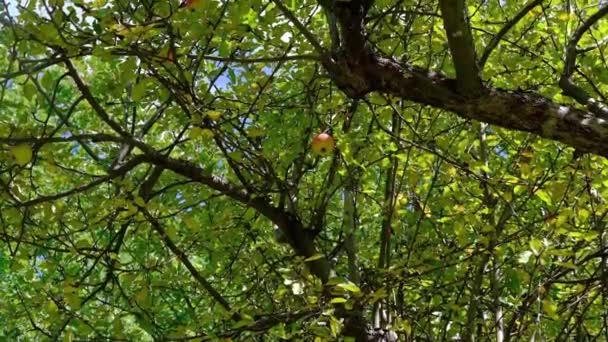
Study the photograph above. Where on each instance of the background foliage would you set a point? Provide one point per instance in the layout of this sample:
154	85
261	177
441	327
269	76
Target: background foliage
157	180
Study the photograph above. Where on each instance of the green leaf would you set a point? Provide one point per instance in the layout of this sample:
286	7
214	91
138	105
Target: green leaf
22	154
139	201
536	246
224	48
203	134
242	323
139	90
338	300
251	18
29	90
544	196
350	287
550	309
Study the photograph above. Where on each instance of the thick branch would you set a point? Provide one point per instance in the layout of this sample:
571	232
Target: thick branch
523	111
363	71
461	46
238	60
351	17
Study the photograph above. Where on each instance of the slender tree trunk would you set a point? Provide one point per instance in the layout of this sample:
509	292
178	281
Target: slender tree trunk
381	311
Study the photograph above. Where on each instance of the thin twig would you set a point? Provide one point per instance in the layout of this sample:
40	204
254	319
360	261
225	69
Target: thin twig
298	24
504	30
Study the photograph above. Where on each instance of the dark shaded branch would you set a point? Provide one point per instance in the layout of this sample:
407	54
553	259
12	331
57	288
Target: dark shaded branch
504	30
95	137
460	42
41	66
86	92
576	36
351	17
299	237
309	57
386	230
334	33
126	148
565	82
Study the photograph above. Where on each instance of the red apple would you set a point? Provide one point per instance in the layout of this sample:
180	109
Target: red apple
189	3
323	144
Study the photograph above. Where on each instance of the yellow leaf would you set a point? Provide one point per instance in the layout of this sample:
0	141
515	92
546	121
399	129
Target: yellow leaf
255	132
22	154
314	257
139	201
550	308
73	301
350	287
427	211
407	327
68	336
459	208
563	16
536	10
171	232
190	224
214	115
200	133
51	307
338	300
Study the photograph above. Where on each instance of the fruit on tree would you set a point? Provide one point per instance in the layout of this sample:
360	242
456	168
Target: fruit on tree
323	144
189	3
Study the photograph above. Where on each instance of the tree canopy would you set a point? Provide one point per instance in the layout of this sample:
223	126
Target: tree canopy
159	180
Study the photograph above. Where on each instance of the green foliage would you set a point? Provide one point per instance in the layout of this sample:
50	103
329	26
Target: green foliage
134	233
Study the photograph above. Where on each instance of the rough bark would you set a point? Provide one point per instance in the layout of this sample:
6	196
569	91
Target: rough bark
359	70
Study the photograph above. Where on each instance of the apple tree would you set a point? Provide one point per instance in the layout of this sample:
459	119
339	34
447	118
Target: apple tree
161	175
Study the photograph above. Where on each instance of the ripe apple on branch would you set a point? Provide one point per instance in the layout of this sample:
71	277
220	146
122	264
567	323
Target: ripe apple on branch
323	144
